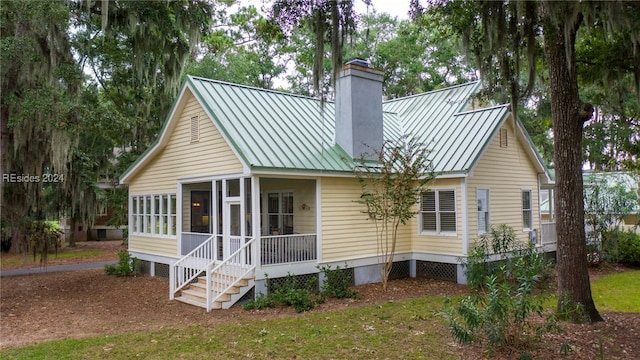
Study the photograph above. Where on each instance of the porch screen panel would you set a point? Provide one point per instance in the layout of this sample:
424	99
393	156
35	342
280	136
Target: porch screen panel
247	206
147	214
156	214
140	214
134	214
172	214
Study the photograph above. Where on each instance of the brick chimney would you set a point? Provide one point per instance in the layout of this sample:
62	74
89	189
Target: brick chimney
359	109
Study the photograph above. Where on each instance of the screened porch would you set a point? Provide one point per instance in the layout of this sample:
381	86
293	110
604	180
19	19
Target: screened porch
279	213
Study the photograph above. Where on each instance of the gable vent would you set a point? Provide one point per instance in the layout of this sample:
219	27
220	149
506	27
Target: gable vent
503	138
195	129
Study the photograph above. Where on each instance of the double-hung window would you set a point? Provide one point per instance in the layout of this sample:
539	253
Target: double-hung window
482	196
438	212
527	214
280	213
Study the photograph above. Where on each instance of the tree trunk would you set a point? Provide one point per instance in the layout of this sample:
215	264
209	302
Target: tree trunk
569	114
72	237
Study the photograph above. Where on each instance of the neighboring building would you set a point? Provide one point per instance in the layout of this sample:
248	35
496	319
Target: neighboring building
614	195
99	230
257	181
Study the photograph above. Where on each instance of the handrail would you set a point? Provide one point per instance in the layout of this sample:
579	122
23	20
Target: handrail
190	266
234	268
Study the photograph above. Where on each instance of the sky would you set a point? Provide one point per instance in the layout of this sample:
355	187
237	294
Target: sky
397	8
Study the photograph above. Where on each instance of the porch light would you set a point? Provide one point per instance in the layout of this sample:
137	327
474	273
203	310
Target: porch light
195	204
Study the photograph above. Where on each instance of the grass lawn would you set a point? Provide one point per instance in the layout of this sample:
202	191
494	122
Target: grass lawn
402	329
64	253
618	292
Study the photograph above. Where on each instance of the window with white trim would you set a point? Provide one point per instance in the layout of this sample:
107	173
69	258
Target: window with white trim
438	212
153	215
280	213
527	214
482	196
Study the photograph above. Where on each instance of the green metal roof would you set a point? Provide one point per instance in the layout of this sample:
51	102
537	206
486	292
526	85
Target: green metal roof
282	132
276	130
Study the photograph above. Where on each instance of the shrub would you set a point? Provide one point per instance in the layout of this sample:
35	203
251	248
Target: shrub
629	248
260	302
126	266
503	276
292	293
336	283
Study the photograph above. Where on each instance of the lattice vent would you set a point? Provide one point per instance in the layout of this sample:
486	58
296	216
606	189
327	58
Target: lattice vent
399	270
162	270
195	129
436	270
249	296
296	281
346	274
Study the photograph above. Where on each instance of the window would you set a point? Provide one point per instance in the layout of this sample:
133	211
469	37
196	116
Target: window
153	214
482	196
527	216
280	213
101	208
438	211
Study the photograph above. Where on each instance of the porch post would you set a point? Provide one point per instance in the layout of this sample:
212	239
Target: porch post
319	219
179	210
255	219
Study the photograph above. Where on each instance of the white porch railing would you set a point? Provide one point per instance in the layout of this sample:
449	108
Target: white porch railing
221	277
190	266
548	233
280	249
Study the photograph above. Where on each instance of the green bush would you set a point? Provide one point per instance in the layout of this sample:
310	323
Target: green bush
292	293
629	248
505	278
126	266
621	247
336	283
261	301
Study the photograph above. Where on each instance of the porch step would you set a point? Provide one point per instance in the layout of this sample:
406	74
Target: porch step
196	293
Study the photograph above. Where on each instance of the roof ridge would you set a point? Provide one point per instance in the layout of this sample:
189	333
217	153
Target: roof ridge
481	109
470	83
249	87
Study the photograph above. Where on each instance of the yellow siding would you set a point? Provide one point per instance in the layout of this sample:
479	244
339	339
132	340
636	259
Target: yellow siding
346	231
153	245
181	158
506	172
440	244
304	193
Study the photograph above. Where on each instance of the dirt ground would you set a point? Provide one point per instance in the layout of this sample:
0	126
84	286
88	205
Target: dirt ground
75	304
